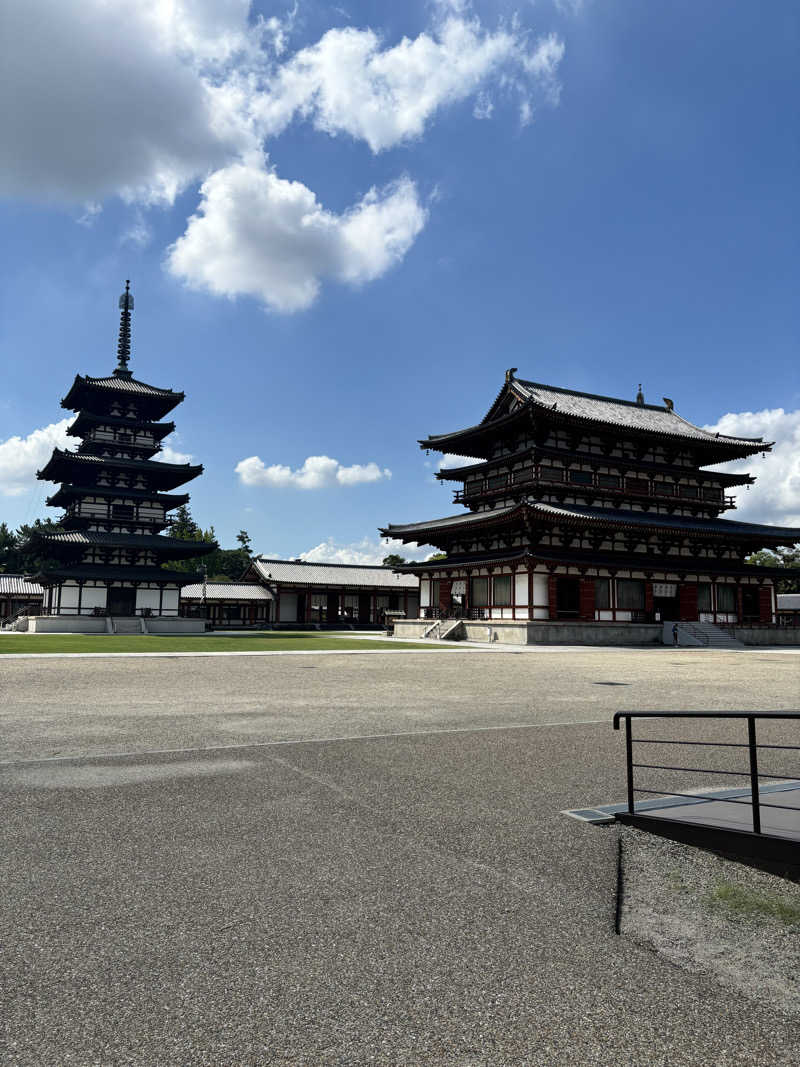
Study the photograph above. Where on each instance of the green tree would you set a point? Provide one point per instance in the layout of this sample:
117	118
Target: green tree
29	555
184	528
8	544
393	560
243	537
788	558
436	556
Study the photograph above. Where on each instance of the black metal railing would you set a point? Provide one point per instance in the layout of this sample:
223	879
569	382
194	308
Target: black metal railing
753	774
457	612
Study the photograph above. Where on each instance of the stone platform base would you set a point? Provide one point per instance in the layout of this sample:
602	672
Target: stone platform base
90	624
519	632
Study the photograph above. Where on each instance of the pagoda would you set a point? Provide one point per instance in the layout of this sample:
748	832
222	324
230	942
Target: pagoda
592	509
104	568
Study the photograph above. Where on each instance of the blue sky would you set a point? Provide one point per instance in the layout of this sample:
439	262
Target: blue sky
343	222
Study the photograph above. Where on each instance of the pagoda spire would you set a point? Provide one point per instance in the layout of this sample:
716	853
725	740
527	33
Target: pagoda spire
124	343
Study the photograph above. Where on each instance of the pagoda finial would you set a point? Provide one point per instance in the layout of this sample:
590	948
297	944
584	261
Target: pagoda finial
640	396
124	344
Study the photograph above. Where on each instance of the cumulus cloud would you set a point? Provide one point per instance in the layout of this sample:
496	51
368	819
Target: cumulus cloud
775	497
109	97
366	552
142	98
21	457
349	83
317	472
259	234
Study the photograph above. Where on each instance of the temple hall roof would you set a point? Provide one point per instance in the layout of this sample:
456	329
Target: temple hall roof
15	585
329	574
591	409
226	591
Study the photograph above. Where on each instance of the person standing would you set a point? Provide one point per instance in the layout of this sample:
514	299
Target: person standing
674	635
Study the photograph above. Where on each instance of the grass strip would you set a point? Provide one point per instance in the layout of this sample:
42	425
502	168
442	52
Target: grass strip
277	641
739	900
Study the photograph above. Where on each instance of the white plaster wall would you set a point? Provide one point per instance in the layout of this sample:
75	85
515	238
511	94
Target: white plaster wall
540	595
425	593
171	599
69	597
147	598
521	590
604	616
93	597
288	607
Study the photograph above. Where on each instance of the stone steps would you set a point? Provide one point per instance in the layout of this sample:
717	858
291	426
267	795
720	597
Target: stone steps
126	626
709	635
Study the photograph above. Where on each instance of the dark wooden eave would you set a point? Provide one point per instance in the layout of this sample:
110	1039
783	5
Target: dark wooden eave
97	394
67	492
86	419
529	513
163	475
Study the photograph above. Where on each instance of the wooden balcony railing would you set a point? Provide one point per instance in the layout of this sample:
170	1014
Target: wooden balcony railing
497	484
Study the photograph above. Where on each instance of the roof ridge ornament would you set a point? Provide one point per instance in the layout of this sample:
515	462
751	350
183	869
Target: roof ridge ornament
510	373
124	343
640	396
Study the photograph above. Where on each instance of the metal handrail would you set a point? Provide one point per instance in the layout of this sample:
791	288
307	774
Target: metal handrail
752	745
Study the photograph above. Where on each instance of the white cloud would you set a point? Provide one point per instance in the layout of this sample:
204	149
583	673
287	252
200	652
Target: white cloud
449	460
317	472
110	96
141	98
259	234
171	455
21	457
775	497
365	553
348	83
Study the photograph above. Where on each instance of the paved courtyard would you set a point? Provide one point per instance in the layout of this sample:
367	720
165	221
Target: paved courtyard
345	859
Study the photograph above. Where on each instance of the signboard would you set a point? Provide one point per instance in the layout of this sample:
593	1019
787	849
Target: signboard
665	589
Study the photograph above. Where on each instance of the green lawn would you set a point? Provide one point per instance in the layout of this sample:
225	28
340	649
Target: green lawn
269	641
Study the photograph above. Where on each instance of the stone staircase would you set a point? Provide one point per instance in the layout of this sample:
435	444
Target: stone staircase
120	625
452	630
706	635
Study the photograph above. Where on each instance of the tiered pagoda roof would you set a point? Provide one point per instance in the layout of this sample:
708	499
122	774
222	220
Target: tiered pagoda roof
114	492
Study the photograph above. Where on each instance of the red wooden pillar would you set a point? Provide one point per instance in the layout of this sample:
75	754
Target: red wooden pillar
648	599
587	599
687	594
444	594
739	605
552	596
765	603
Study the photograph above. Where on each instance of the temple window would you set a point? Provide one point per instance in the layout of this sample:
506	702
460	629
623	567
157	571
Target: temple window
501	590
478	592
630	594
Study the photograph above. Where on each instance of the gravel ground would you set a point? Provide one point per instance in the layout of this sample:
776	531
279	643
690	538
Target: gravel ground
347	860
733	923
